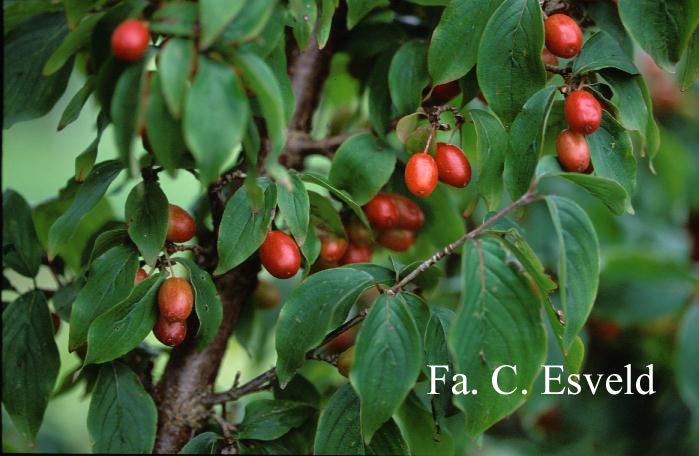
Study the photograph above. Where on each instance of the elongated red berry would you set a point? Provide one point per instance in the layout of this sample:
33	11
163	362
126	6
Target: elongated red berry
583	112
130	40
357	254
563	36
381	211
280	255
573	151
170	333
141	275
421	175
332	248
175	299
452	165
397	240
181	227
410	215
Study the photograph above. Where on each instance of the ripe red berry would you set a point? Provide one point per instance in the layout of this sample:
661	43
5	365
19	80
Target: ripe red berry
583	112
141	275
452	165
332	248
397	240
175	299
280	255
548	59
341	342
445	92
130	40
573	151
181	227
410	215
357	254
421	175
381	211
266	295
563	36
358	233
170	333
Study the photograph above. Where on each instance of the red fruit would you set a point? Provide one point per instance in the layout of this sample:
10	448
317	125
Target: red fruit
130	40
170	333
358	233
397	240
452	165
381	211
141	275
332	248
181	226
563	36
357	254
280	255
573	151
421	175
342	341
410	215
583	112
445	92
175	299
548	59
266	295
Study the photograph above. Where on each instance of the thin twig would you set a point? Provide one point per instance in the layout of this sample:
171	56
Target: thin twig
558	70
259	383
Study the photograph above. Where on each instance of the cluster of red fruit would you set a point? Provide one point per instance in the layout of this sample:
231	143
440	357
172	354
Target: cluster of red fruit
582	110
449	165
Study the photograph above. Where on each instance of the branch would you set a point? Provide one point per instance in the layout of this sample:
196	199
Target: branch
558	70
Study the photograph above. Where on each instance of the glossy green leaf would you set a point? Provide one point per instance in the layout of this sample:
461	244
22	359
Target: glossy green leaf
122	416
216	113
633	112
267	419
72	110
106	240
672	23
362	166
26	93
499	323
214	15
443	221
418	426
687	369
454	44
176	61
250	22
510	69
527	141
609	192
388	440
652	131
164	131
124	326
323	213
606	17
688	68
21	249
357	9
388	346
304	15
146	213
407	76
243	228
578	265
126	111
378	96
88	195
338	428
30	361
15	13
602	51
437	354
491	149
207	303
204	443
341	194
294	206
72	43
176	18
110	281
312	310
327	11
278	63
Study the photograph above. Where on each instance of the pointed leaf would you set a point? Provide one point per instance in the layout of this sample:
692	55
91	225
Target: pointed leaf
206	302
146	215
491	150
268	419
21	249
602	51
164	131
176	60
214	15
338	428
357	9
407	76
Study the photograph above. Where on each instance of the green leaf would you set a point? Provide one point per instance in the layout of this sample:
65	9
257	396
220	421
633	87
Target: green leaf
176	18
106	240
270	37
204	443
214	15
21	249
491	149
325	214
652	130
602	51
304	15
89	193
338	428
407	76
672	24
687	369
312	310
250	22
206	302
362	166
341	194
216	113
72	43
176	61
357	9
633	112
418	427
299	389
437	354
498	324
454	43
609	192
443	221
267	419
126	110
164	131
388	346
122	416
378	97
606	17
578	265
388	440
509	56
124	326
26	93
146	213
327	11
527	141
30	361
72	110
612	154
243	228
688	68
110	281
15	13
277	61
294	206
